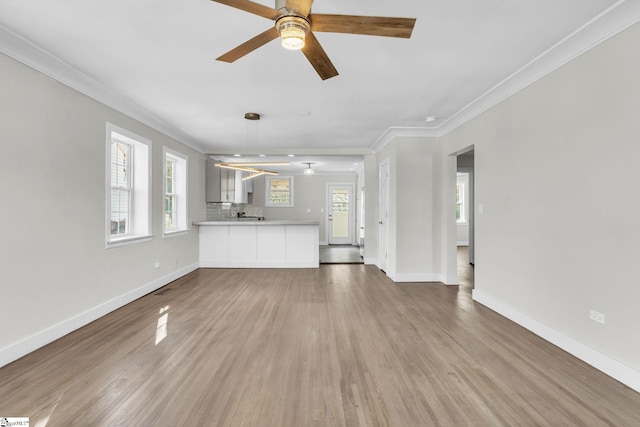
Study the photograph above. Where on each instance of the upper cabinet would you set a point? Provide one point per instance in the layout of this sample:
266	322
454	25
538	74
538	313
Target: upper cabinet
224	185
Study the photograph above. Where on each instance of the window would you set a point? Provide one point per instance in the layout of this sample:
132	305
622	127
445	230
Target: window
128	187
460	202
279	191
120	188
462	198
170	196
175	192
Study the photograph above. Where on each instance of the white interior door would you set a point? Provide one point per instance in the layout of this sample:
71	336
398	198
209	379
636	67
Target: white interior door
341	214
383	214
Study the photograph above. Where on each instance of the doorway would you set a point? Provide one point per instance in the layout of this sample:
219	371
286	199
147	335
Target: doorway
465	188
341	220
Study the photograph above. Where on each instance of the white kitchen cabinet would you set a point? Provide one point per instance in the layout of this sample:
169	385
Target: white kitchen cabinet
259	244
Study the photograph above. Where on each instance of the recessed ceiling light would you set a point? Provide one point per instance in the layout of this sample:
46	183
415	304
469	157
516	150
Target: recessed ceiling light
355	164
430	119
237	155
291	155
262	155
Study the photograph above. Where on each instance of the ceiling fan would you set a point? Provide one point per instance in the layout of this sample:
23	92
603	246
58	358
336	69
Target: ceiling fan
295	25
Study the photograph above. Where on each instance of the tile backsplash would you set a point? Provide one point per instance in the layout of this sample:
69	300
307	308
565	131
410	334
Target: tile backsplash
218	211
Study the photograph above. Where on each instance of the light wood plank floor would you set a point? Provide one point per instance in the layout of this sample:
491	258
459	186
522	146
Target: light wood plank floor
336	346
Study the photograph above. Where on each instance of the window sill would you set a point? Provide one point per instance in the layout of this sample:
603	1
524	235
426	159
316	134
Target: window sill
128	241
175	233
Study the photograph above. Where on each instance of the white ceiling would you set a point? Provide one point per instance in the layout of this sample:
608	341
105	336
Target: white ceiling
155	60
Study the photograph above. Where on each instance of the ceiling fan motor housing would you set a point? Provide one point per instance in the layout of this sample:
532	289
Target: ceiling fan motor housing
281	4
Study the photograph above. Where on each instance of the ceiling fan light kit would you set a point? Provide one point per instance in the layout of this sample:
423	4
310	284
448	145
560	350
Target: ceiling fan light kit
293	30
295	25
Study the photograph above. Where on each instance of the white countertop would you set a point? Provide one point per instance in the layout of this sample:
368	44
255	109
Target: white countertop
256	222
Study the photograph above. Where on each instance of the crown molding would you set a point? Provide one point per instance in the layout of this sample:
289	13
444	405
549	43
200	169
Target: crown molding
411	132
22	50
617	18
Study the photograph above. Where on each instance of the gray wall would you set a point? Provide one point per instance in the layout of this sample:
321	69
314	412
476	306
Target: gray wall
556	175
55	271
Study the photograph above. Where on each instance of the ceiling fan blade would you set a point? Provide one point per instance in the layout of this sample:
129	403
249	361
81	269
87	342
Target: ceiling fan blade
318	57
250	45
303	7
251	7
367	25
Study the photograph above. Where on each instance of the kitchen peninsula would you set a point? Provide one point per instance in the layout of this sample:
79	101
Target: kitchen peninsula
259	244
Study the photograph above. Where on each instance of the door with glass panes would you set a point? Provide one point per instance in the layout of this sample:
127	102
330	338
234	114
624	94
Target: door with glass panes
341	215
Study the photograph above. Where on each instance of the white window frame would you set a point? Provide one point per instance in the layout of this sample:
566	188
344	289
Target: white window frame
267	192
179	192
140	187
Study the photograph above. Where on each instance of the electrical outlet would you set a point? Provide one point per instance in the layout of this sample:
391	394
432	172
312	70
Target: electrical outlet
156	264
596	317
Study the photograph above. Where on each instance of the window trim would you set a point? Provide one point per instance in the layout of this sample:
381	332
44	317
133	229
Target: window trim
182	163
140	207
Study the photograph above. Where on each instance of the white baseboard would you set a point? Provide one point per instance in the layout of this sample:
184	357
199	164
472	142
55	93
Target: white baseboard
450	280
25	346
602	362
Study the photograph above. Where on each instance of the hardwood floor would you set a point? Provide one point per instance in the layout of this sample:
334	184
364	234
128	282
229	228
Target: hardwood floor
336	346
